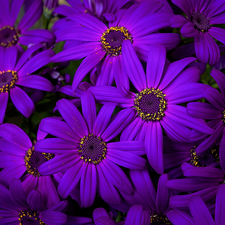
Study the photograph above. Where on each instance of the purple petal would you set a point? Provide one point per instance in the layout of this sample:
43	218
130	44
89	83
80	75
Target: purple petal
9	217
3	102
34	199
9	148
36	82
22	101
122	119
15	8
218	19
88	109
10	58
117	177
106	190
49	195
154	146
219	77
126	159
135	215
220	206
99	212
133	66
188	30
31	16
103	118
87	64
88	185
4	13
72	117
184	5
59	129
217	33
53	217
178	21
155	65
178	217
58	164
222	152
199	211
30	183
71	178
7	160
173	70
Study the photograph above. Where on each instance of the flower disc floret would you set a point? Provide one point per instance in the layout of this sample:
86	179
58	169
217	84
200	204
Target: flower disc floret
206	159
200	21
92	149
7	80
160	219
223	116
113	38
150	104
28	217
8	36
34	159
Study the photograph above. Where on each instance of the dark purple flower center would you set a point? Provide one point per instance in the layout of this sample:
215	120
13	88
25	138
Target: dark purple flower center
30	217
150	104
92	149
113	38
160	219
200	21
8	36
223	116
206	159
34	159
7	80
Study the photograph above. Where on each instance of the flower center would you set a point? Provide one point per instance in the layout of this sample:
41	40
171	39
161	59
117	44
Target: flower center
200	21
34	159
160	219
223	116
113	38
7	80
29	217
209	157
92	149
8	36
150	104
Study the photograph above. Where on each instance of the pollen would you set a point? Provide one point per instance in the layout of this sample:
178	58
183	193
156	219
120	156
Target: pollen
223	116
160	219
150	104
29	217
113	38
8	79
92	149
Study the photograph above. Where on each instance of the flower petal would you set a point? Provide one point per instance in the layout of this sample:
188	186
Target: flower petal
34	199
3	102
220	206
53	217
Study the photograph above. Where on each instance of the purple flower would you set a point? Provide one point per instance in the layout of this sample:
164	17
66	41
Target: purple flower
215	112
18	156
201	15
12	35
17	207
15	72
156	100
199	211
85	153
139	25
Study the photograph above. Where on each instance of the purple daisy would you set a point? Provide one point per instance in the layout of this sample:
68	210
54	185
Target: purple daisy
200	212
10	34
139	25
17	207
20	160
16	71
155	103
215	112
85	153
201	16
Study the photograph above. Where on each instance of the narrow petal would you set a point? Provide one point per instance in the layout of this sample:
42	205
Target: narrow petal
34	199
53	217
218	19
10	148
22	101
103	118
222	152
88	109
117	177
178	21
127	160
15	8
188	30
106	190
178	217
87	64
99	212
155	65
217	33
72	117
133	66
219	77
184	5
173	70
36	82
58	164
4	13
88	185
9	217
122	119
201	48
220	206
10	58
3	102
154	146
200	211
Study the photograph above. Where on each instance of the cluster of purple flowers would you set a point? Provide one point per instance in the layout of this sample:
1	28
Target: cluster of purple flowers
128	129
